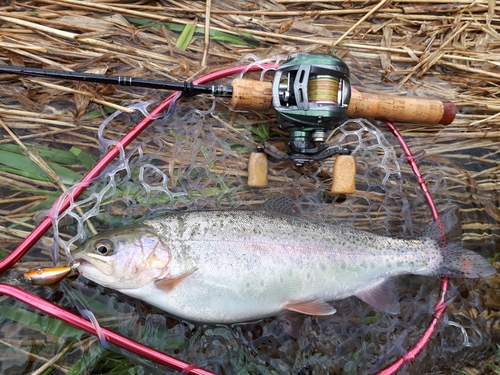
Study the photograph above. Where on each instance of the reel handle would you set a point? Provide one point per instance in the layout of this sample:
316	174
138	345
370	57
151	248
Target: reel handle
258	169
344	175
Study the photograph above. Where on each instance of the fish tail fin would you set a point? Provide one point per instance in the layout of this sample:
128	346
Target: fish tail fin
456	261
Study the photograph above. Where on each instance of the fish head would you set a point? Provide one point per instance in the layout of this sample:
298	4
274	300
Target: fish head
124	258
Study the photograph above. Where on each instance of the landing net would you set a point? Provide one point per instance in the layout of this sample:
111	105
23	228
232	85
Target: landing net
195	158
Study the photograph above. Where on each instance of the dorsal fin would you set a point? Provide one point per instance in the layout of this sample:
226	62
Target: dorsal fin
280	204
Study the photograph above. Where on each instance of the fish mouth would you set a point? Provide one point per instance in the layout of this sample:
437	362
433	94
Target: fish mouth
77	262
93	261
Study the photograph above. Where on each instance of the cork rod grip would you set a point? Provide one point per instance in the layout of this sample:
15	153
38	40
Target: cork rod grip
251	94
257	95
401	108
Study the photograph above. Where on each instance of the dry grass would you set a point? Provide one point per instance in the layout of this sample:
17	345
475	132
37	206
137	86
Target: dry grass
432	49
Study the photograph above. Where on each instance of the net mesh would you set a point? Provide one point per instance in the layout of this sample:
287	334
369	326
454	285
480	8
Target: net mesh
195	158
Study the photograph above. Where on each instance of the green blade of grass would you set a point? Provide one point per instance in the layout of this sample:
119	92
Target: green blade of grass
215	35
233	39
39	322
44	205
95	354
87	160
186	37
46	153
68	176
51	193
98	113
27	174
23	166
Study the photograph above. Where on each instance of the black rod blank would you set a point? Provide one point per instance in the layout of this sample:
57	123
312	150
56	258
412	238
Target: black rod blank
187	88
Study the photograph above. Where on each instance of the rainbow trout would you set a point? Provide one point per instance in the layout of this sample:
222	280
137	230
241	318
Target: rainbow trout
234	266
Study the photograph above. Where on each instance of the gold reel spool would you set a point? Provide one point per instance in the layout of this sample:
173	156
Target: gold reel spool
323	89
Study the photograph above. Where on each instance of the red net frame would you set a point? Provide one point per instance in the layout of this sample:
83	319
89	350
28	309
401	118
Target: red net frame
134	346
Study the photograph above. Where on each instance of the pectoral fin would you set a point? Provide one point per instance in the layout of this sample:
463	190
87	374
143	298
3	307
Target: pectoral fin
381	295
171	281
314	307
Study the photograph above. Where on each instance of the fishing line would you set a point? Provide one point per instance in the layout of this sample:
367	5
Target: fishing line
323	89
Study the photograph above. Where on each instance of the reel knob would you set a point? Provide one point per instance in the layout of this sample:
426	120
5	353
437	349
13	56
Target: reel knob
344	175
257	168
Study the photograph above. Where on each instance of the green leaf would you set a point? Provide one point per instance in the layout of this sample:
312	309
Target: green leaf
46	153
41	322
493	367
45	204
460	371
228	38
95	353
23	166
186	37
252	40
140	21
87	160
215	35
260	133
98	113
33	176
177	136
67	176
51	193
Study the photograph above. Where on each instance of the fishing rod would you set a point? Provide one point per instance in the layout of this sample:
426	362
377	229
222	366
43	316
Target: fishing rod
187	89
311	95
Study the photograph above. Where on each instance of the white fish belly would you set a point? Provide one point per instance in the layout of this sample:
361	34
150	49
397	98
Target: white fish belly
249	267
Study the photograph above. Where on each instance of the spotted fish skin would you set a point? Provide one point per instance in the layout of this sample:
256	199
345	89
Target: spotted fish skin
234	266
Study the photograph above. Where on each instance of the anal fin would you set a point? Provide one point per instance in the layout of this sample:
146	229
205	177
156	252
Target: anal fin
169	282
381	295
314	307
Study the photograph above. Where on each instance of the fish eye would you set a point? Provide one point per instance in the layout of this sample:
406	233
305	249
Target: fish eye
103	247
